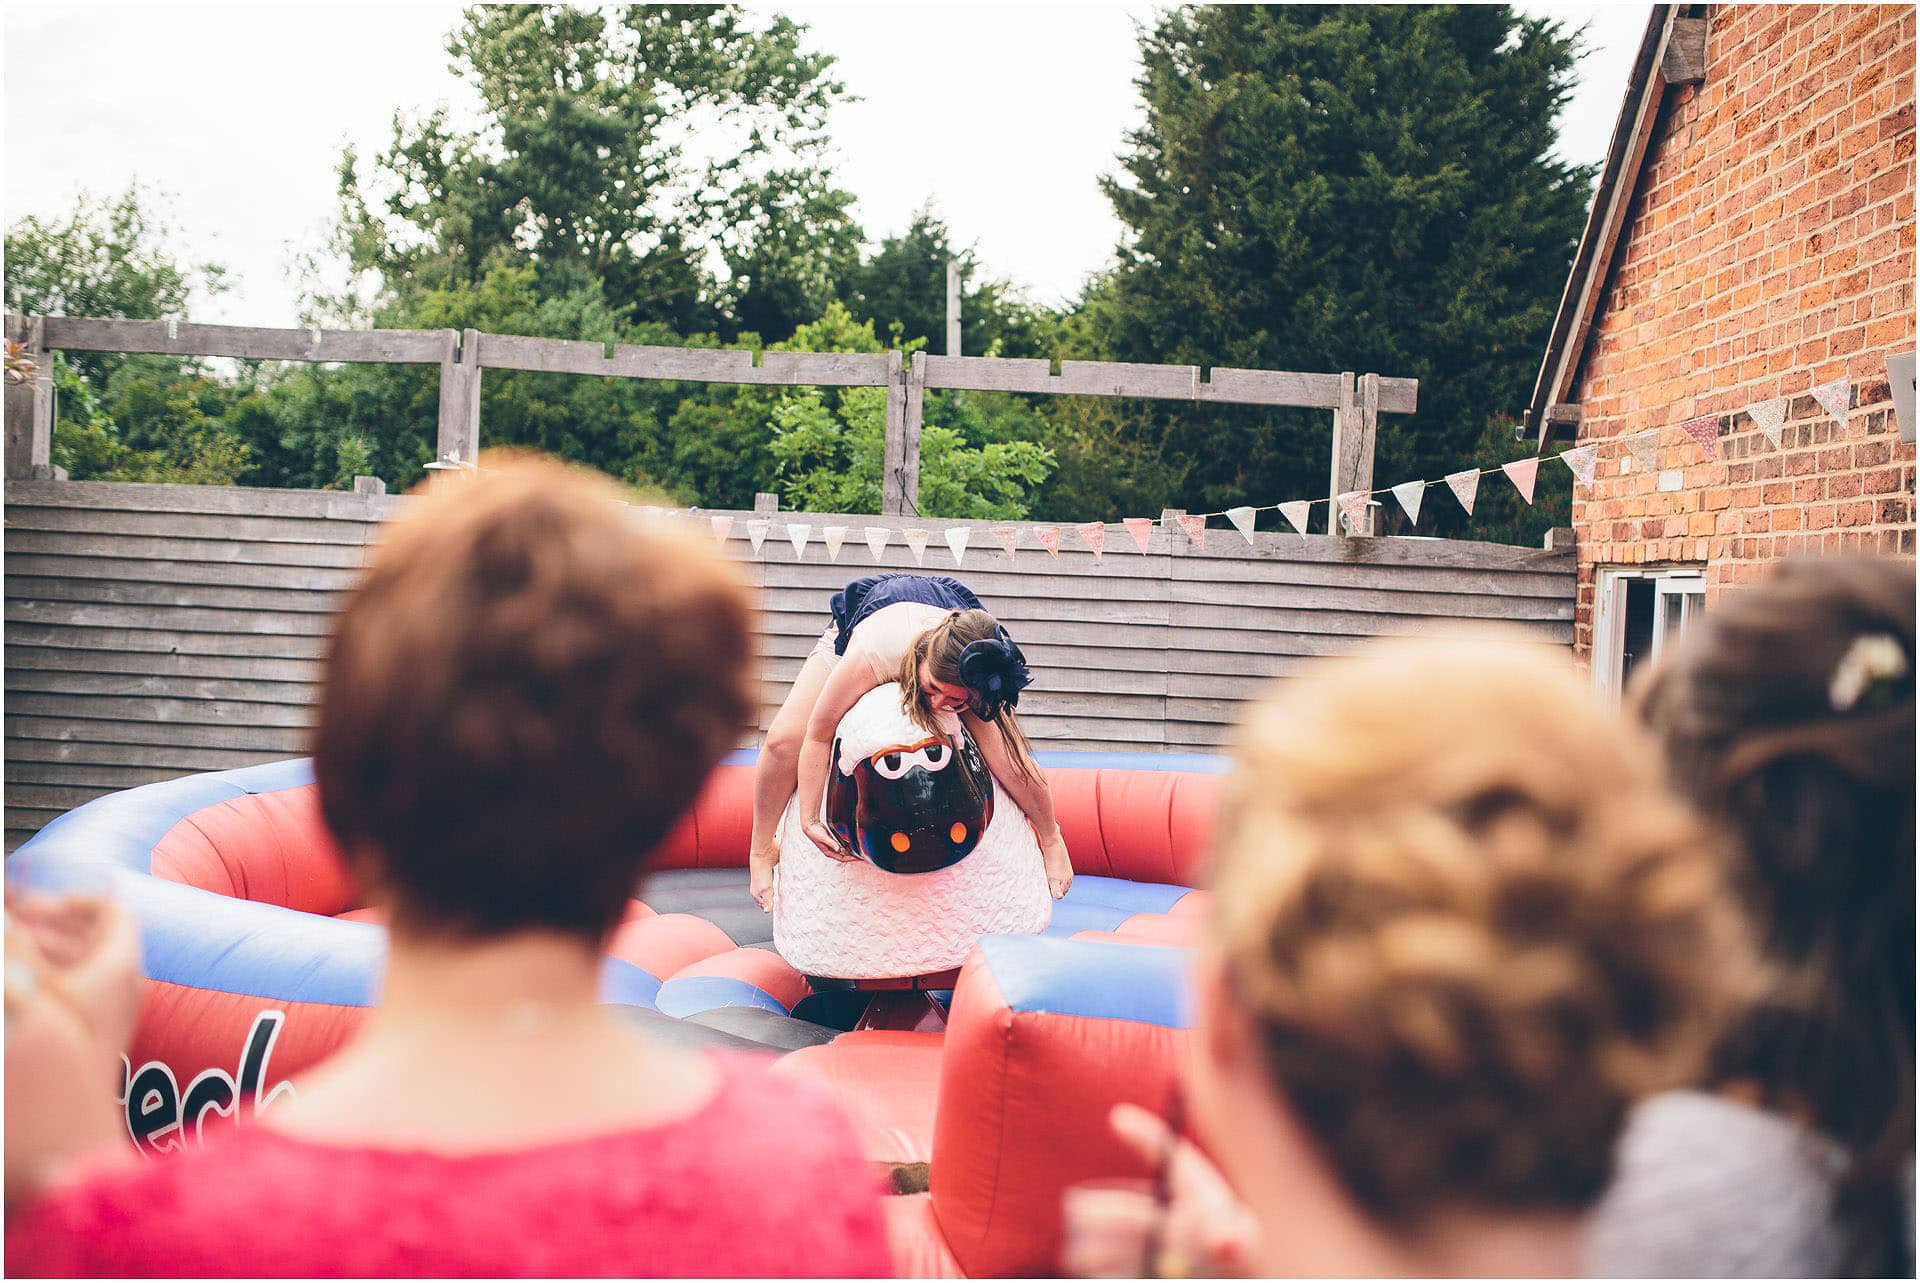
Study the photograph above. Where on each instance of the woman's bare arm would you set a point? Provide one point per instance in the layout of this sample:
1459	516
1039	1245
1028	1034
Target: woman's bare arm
851	678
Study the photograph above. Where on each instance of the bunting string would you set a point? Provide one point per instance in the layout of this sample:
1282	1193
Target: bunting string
1834	398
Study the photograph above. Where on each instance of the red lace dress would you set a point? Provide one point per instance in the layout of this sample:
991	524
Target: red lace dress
765	1180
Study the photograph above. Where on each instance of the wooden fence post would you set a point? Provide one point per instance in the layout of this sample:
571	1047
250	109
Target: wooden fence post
1354	422
765	505
1170	522
459	442
29	404
900	465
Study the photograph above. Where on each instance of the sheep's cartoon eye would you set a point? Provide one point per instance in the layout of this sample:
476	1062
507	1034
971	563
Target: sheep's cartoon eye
890	765
936	756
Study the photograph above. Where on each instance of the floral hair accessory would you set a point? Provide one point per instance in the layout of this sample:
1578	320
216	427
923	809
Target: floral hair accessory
1866	672
995	671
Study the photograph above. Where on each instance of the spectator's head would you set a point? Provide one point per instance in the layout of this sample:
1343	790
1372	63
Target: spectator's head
524	692
1787	716
1460	926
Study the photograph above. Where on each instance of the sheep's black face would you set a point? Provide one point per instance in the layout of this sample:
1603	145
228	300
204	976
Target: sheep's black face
913	808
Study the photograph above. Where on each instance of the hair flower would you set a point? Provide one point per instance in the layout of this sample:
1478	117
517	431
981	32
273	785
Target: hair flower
1871	662
995	671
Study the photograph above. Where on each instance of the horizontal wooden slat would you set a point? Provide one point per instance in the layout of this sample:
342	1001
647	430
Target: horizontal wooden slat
231	501
120	592
190	525
40	681
161	641
1222	384
268	742
89	774
1201	604
173	664
50	797
169	618
213	552
172	713
693	365
179	759
161	571
180	338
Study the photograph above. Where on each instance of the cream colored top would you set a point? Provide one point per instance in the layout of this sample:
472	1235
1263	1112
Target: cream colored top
881	639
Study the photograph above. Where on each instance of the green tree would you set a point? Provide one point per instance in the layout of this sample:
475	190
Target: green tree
902	289
829	444
582	164
105	258
124	418
1333	187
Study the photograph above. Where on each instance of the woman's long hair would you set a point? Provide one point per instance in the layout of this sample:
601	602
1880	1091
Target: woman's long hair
939	648
1788	717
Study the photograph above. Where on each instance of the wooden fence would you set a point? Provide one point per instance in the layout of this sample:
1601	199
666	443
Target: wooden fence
1357	401
157	630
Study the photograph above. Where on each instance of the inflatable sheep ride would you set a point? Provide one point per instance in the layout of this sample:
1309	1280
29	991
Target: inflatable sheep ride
944	857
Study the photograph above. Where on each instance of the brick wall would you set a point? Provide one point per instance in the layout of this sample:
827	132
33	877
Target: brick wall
1771	249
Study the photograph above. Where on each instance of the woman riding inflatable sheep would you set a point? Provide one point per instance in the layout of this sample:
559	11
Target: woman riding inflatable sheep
956	667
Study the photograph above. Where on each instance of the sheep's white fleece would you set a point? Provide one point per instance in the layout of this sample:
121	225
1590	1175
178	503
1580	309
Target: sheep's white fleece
852	921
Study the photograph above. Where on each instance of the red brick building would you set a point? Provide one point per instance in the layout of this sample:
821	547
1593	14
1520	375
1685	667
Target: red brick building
1752	239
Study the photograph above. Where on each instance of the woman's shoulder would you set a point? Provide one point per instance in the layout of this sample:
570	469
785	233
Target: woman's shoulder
1706	1186
258	1196
123	1213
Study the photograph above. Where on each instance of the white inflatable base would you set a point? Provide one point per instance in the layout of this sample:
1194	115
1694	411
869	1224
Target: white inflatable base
854	922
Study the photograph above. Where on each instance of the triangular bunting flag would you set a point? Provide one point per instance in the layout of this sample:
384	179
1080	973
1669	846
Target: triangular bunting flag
1297	513
917	545
1007	536
1094	535
1353	505
798	532
757	534
835	537
1464	484
1410	493
877	537
1645	448
1580	460
1836	398
1705	432
1141	528
1768	416
722	526
1522	473
957	541
1196	527
1049	537
1242	519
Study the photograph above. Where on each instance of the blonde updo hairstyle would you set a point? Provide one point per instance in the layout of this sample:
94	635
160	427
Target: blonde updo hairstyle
939	650
1468	923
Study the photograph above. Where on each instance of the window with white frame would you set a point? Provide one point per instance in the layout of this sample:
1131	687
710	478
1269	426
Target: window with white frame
1638	611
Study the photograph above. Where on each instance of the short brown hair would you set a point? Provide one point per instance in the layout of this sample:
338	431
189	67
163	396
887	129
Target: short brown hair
1468	922
524	692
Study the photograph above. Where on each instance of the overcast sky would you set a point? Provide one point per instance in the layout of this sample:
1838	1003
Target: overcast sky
1003	115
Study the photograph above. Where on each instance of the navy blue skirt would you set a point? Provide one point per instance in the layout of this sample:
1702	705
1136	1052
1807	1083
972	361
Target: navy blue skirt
875	592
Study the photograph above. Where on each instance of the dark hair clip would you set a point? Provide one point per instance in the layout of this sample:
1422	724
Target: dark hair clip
995	671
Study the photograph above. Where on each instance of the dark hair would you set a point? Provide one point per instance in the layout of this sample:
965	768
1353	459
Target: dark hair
525	690
1805	757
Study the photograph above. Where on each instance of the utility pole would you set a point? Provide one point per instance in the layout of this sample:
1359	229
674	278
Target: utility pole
953	307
